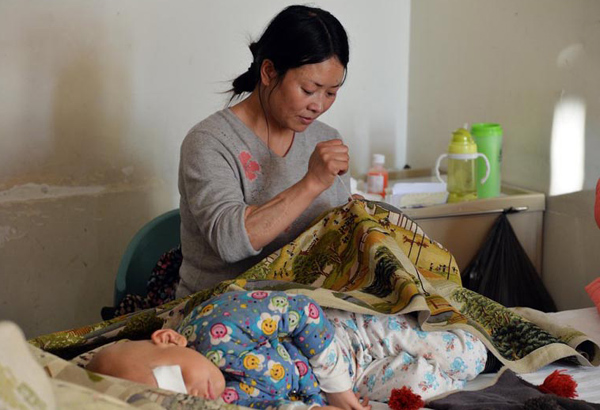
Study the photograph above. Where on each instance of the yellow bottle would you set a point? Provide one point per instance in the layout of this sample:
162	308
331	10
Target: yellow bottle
462	153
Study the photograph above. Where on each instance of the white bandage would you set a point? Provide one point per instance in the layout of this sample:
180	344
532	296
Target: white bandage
170	378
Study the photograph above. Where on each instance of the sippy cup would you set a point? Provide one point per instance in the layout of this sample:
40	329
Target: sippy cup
462	153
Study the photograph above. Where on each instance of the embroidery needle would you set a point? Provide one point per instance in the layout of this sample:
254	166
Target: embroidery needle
345	187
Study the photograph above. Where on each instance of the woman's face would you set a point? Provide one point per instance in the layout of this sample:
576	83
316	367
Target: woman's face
303	94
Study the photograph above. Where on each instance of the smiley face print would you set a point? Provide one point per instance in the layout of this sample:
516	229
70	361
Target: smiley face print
268	323
312	313
275	371
259	294
293	320
283	352
253	362
249	390
216	357
230	395
207	310
302	367
190	333
220	333
279	304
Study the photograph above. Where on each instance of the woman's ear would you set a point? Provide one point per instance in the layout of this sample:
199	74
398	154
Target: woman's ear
267	72
166	337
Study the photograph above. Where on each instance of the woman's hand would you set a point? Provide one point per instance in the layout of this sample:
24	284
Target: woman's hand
347	400
328	160
264	222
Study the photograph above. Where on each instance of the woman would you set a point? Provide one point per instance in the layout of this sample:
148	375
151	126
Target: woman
253	176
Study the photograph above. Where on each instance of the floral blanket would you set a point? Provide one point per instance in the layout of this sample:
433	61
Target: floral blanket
361	257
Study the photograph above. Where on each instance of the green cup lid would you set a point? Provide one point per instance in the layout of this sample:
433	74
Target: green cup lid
486	129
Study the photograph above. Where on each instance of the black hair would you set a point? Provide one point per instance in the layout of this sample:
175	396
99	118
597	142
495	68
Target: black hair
296	36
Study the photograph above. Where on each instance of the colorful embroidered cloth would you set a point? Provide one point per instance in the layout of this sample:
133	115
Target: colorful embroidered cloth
363	258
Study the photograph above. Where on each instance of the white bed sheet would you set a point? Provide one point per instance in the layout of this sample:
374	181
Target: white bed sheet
586	320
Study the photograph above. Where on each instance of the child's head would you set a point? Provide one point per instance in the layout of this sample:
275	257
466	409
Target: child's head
136	360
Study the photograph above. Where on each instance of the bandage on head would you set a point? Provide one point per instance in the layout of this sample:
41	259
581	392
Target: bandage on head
170	378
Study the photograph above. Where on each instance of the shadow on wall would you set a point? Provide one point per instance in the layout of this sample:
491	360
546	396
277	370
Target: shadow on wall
90	122
78	189
571	239
574	145
72	124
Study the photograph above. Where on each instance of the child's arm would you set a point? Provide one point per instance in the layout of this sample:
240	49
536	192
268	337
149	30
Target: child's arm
314	335
328	365
331	369
347	400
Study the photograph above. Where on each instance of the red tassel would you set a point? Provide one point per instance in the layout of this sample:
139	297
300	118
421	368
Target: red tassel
560	384
405	399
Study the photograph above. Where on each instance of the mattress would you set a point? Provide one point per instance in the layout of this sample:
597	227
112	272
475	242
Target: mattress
586	320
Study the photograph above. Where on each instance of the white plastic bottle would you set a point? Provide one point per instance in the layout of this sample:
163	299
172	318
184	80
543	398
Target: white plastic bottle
377	177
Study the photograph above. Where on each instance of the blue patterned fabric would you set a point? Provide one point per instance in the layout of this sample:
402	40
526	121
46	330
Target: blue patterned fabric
261	341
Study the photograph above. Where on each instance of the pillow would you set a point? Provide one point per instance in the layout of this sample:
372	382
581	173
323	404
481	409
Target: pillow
24	383
83	359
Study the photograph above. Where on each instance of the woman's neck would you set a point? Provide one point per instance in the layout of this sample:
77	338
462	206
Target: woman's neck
251	112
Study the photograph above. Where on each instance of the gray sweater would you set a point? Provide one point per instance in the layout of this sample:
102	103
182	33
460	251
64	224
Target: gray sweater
225	167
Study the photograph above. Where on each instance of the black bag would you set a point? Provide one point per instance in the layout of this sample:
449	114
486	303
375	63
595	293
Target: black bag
503	272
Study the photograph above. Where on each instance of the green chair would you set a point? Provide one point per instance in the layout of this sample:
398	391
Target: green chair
143	252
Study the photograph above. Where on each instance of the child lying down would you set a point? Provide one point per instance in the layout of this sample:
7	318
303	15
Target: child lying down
271	349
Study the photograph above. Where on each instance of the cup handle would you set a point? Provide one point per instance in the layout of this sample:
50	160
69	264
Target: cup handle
437	167
487	169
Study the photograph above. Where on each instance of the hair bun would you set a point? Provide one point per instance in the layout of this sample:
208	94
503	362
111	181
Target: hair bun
298	35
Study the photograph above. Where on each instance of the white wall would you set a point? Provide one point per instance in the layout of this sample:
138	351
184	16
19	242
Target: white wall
95	98
514	62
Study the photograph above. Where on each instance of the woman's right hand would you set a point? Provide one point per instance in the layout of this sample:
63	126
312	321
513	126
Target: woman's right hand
265	222
328	160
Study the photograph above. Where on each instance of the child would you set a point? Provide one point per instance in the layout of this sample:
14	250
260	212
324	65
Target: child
275	349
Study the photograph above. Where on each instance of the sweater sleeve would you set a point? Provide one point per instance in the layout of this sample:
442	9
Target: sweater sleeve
211	186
